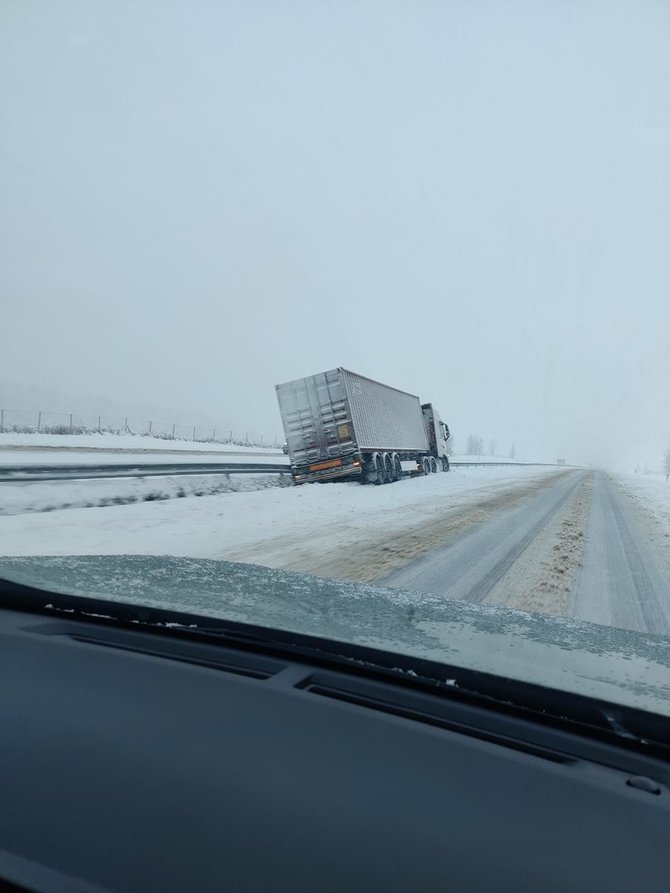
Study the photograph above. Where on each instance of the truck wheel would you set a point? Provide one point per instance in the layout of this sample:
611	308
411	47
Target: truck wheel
426	465
433	466
445	463
369	475
397	467
381	471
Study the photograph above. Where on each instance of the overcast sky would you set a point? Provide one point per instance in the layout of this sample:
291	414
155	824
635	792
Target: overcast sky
467	200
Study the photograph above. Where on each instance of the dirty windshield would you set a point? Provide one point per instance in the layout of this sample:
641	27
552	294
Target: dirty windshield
367	297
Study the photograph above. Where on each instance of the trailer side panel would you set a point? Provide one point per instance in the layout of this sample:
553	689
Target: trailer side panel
384	418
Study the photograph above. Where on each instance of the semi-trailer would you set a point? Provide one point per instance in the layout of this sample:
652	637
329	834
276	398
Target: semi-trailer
342	425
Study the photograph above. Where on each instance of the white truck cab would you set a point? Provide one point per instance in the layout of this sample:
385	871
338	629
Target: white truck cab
438	434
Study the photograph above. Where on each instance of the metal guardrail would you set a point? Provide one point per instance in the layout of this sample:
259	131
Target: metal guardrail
504	464
31	473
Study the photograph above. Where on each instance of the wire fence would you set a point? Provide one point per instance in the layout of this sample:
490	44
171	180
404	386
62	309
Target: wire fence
21	421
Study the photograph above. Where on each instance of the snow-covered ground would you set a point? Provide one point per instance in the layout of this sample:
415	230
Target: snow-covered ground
304	527
19	458
49	445
46	496
122	449
652	494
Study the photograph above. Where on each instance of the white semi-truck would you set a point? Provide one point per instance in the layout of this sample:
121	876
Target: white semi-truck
342	425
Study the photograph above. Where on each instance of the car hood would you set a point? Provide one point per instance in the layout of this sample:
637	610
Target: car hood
603	662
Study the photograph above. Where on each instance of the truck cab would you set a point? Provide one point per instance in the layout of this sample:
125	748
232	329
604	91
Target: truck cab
438	434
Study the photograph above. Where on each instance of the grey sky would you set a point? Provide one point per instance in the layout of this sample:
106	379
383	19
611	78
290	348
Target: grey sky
467	200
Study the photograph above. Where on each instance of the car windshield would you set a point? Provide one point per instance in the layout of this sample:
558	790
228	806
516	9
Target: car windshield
347	319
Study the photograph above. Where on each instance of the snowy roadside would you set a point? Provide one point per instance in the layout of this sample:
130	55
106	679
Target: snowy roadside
20	457
63	447
651	494
47	496
650	490
310	527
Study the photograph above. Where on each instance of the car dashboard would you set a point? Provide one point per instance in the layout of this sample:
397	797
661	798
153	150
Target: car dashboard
138	759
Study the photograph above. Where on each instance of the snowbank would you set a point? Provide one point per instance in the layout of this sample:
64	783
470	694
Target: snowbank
652	493
48	496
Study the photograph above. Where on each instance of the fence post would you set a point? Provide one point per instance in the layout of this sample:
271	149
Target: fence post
230	438
261	440
173	427
150	424
194	432
125	425
39	420
246	439
2	420
99	426
213	433
70	423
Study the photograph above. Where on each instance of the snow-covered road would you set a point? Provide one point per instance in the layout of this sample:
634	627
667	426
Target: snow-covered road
624	579
578	548
343	530
565	542
507	557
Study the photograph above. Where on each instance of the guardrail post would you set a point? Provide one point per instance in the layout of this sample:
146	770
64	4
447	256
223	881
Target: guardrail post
2	420
150	424
213	435
39	420
194	432
70	423
173	427
99	426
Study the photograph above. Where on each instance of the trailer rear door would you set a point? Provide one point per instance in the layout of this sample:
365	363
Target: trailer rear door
316	418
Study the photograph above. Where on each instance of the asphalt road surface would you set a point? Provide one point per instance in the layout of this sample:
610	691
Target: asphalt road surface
576	548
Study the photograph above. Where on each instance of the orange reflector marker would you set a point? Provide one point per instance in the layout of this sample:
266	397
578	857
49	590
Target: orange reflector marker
320	466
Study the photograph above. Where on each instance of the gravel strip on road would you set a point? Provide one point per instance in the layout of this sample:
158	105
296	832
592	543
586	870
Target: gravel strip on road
543	577
470	566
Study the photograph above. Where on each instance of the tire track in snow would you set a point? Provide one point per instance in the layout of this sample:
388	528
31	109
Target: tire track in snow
471	567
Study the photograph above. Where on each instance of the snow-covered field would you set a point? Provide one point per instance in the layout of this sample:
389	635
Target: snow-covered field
52	449
16	458
308	528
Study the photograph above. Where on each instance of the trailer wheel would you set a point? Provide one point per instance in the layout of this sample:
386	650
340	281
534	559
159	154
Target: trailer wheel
388	469
397	467
426	465
381	471
369	474
445	463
